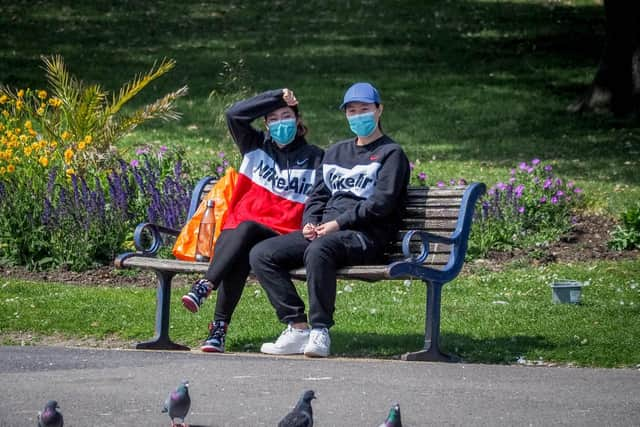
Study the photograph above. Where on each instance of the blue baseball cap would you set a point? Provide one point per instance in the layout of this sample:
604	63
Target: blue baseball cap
361	92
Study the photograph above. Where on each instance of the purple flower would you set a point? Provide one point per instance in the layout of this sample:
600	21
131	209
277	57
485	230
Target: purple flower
512	180
554	200
523	166
501	186
570	184
452	182
577	190
547	183
529	170
134	163
543	199
220	170
412	165
221	154
462	181
163	148
535	161
141	151
422	176
519	190
440	184
559	193
521	209
548	168
513	171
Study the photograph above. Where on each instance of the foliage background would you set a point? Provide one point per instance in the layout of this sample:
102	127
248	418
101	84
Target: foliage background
473	86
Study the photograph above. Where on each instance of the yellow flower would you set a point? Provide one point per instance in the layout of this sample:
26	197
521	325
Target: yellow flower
19	104
23	138
70	171
2	170
68	155
11	168
40	111
42	94
32	132
88	139
3	98
65	135
54	144
20	93
43	161
81	145
27	151
5	113
55	102
28	124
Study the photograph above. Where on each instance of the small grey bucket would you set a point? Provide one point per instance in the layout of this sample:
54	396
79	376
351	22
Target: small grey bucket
566	291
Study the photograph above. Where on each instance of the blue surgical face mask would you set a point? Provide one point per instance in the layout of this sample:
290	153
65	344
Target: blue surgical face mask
362	124
283	131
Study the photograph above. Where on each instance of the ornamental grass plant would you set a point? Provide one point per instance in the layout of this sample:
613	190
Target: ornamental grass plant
66	195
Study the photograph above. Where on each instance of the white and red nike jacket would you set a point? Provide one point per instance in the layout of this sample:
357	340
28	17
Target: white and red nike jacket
273	183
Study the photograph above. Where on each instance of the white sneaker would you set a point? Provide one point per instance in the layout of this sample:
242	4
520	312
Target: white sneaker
319	344
290	341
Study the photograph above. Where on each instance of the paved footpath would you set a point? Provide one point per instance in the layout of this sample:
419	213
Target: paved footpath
122	387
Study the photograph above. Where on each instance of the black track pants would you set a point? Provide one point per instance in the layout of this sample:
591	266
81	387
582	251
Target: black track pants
229	268
272	258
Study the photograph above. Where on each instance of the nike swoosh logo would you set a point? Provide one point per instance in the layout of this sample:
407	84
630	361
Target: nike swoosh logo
301	162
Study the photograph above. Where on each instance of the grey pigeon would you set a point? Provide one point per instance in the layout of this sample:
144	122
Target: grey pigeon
302	414
178	403
393	419
50	417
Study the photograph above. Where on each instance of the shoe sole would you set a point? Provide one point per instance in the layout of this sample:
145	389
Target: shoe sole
276	352
211	349
189	304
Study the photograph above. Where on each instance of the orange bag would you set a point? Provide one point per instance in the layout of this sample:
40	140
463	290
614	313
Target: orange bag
185	246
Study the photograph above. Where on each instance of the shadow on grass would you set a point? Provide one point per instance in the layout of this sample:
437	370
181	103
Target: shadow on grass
490	79
501	350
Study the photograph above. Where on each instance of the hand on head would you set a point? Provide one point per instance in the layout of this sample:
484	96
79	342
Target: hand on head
289	97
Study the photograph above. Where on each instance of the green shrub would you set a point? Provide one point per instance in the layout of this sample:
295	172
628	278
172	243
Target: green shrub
627	234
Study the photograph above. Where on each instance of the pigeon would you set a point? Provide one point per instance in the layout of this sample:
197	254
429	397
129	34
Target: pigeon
393	419
178	403
50	417
302	414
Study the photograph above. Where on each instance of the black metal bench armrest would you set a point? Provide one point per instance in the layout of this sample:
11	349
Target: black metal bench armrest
156	242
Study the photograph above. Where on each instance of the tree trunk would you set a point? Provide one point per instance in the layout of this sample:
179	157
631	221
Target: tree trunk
616	85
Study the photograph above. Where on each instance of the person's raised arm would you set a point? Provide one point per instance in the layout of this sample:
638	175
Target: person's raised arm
242	113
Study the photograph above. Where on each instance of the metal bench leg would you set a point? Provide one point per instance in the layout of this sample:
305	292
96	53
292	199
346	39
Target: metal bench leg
161	340
431	351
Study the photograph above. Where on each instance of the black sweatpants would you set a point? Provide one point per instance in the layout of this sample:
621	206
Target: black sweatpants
272	258
230	268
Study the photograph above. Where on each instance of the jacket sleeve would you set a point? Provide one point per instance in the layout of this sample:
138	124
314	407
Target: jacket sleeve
241	114
392	181
317	200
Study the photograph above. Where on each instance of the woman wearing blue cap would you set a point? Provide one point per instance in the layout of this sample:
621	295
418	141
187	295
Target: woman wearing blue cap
351	214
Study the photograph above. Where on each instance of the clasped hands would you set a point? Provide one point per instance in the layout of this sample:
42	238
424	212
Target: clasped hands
311	231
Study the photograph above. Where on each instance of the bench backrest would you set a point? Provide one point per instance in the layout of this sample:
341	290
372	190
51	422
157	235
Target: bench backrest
435	210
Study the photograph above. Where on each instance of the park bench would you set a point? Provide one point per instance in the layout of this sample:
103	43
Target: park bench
430	246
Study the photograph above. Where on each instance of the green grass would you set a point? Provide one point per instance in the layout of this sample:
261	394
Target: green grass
471	88
487	317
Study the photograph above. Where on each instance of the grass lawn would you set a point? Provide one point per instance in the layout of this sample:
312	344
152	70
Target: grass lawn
471	88
504	317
